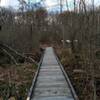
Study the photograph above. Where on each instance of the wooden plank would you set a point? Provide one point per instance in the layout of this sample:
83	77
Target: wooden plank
53	98
51	83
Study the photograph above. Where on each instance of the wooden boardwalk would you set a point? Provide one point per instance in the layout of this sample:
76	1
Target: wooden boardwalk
51	83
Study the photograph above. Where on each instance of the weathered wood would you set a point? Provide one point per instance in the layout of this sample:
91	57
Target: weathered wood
13	52
51	83
12	58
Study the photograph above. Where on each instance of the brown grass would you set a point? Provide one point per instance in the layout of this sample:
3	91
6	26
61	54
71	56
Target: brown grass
17	77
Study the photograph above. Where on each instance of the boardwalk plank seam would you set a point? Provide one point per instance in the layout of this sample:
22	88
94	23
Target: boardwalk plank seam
51	81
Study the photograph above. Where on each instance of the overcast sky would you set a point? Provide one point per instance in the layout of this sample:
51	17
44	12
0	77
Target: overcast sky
47	2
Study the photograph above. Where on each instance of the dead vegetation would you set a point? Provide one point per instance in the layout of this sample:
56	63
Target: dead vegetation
16	72
15	80
80	74
25	31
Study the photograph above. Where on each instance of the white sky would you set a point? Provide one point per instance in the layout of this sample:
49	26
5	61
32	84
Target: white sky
9	3
47	2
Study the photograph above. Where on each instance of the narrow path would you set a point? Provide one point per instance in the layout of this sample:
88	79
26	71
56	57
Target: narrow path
51	83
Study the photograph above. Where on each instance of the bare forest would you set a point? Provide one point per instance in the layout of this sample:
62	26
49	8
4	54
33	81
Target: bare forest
75	35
